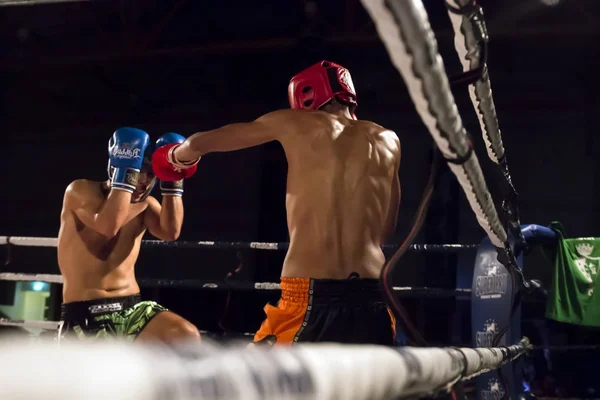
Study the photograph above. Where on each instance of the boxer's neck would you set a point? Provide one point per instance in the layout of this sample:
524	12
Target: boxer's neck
336	108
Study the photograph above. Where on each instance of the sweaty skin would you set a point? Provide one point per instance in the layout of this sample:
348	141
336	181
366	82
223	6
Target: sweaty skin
343	189
100	236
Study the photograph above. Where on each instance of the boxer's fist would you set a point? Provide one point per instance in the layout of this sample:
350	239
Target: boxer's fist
170	188
164	165
126	150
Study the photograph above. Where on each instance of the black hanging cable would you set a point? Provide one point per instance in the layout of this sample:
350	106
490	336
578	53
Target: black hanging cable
402	317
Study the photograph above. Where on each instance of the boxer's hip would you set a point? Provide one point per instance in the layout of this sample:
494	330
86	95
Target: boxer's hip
340	310
351	292
115	316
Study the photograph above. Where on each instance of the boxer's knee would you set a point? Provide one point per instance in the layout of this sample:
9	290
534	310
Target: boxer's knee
169	327
182	330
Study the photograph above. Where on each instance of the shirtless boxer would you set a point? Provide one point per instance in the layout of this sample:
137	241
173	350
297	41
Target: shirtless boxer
342	200
102	224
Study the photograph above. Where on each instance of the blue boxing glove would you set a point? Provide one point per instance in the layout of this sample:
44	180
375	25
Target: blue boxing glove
170	188
126	150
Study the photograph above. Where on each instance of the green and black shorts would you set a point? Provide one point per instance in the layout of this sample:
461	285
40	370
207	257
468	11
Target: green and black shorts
115	317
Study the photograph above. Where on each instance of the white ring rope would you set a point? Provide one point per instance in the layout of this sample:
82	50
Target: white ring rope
210	244
470	40
54	325
48	325
117	371
240	285
29	241
468	31
48	278
404	28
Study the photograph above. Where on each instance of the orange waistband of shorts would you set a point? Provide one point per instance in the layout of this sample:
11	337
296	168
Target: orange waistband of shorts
294	292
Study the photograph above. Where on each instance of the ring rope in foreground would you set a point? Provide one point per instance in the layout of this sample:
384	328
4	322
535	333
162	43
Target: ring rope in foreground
224	245
402	291
204	371
404	29
471	38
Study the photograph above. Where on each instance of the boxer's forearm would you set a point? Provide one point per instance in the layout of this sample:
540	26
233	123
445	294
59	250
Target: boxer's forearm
227	138
171	217
202	143
189	151
111	217
115	209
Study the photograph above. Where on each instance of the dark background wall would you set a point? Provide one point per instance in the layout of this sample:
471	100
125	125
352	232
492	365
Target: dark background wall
70	74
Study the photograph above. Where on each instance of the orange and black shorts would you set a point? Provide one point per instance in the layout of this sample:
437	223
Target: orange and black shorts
328	310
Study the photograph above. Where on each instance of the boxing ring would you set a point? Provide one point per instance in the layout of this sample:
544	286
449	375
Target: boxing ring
328	371
236	285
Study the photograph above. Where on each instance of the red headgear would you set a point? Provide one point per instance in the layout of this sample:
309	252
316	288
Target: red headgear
315	86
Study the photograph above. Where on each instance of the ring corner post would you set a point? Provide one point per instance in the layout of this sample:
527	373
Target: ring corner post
491	304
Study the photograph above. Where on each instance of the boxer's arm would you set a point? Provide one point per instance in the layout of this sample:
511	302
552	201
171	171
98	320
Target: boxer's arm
164	220
237	136
107	219
395	195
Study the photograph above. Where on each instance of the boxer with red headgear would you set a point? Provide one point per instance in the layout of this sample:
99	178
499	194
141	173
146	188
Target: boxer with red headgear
342	201
101	229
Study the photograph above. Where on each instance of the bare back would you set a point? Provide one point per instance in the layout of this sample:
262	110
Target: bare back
340	190
92	265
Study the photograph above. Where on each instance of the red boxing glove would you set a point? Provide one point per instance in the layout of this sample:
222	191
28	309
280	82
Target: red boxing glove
167	169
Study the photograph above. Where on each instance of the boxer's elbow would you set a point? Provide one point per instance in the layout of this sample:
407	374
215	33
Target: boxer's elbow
170	234
171	237
166	228
107	227
109	231
198	145
105	223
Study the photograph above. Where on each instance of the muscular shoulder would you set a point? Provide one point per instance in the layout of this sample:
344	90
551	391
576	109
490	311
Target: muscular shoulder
287	114
149	205
82	190
391	139
82	186
386	136
292	121
151	201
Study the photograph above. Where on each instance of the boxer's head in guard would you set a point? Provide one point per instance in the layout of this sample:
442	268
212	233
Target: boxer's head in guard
146	178
320	85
